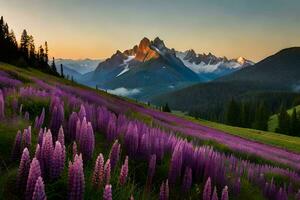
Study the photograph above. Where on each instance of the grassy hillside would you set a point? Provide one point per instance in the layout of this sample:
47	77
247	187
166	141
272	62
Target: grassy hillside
280	140
273	121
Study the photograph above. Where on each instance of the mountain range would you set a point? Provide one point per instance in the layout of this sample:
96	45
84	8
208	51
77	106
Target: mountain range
276	77
150	69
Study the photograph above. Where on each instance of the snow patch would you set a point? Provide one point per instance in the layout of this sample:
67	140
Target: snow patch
126	65
206	68
124	91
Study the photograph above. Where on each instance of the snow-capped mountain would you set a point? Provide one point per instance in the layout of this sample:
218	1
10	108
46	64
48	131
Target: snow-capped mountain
211	65
151	68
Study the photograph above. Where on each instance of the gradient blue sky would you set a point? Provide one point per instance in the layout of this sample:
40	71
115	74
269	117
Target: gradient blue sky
97	28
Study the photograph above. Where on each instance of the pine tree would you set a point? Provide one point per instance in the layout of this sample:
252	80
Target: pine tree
283	121
53	66
24	45
261	117
294	124
62	71
31	47
46	52
233	114
166	108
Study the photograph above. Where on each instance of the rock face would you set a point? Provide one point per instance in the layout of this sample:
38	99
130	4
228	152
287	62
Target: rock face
144	52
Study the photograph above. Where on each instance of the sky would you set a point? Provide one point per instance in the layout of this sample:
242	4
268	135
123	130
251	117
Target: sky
80	29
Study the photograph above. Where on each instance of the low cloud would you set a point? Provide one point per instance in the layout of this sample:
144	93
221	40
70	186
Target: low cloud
124	91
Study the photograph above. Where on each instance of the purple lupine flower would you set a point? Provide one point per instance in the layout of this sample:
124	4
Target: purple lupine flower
38	154
78	130
57	161
34	173
71	134
16	153
23	170
225	193
87	140
82	112
114	154
1	105
76	179
39	190
164	191
207	190
187	180
61	136
107	194
132	139
47	151
40	137
26	137
41	119
74	149
124	172
26	116
151	170
57	118
98	174
175	165
215	194
107	171
111	132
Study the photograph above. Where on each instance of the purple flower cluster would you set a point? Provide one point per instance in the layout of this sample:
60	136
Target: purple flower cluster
57	115
23	170
98	173
76	179
17	148
34	174
107	194
164	191
39	120
85	138
39	190
114	154
124	172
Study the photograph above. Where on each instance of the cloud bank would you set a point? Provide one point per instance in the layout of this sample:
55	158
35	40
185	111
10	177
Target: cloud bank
124	91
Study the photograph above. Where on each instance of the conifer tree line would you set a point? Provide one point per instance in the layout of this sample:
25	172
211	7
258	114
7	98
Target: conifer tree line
247	115
25	53
288	124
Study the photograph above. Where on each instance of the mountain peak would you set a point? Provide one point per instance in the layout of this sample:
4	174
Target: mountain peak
241	60
144	52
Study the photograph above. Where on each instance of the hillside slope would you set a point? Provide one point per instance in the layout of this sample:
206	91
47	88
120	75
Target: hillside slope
276	75
111	127
273	121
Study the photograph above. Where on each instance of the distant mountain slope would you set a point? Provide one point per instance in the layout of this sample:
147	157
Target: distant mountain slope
281	69
152	69
69	73
277	73
82	66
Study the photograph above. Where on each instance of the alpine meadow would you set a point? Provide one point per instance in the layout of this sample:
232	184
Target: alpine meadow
149	100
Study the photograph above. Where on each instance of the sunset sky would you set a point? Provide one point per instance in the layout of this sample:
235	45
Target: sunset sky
97	28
